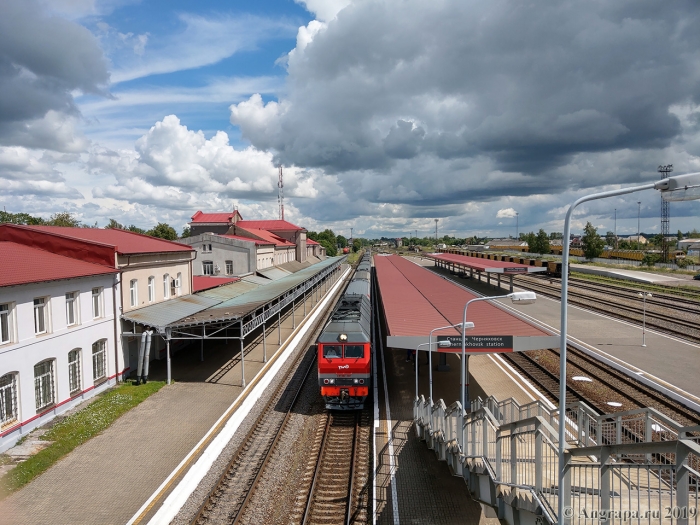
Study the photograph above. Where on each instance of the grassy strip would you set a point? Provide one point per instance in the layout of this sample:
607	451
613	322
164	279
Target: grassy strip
689	292
76	429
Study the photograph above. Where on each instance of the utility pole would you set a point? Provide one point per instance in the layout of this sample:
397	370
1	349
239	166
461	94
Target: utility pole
517	237
436	223
616	228
351	237
665	214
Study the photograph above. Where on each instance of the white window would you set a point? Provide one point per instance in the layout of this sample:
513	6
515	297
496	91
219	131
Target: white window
206	248
40	317
134	292
208	267
99	361
151	289
8	399
96	303
72	308
43	384
74	370
178	283
6	330
229	267
166	286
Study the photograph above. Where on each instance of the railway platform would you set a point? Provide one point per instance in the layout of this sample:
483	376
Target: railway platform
125	474
633	275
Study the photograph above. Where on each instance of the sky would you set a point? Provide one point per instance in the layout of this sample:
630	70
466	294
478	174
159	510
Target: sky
385	115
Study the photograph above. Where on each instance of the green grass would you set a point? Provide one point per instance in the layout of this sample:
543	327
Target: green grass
76	429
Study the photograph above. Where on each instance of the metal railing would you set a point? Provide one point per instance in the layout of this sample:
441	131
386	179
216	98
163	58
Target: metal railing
637	466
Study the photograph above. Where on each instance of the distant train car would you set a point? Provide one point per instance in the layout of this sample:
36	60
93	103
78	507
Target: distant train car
346	250
344	346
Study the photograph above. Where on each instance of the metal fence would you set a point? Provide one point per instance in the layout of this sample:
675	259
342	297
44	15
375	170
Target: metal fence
637	466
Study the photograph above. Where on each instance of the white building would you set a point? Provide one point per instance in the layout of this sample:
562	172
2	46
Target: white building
57	335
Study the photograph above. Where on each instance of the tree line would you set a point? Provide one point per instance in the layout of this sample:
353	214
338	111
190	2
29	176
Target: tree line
161	230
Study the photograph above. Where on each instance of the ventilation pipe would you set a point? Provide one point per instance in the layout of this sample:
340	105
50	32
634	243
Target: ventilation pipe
144	355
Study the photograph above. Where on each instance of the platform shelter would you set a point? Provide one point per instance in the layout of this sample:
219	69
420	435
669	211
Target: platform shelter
461	264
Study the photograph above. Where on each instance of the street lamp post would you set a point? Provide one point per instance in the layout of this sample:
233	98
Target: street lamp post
678	188
442	344
516	226
516	297
643	296
430	352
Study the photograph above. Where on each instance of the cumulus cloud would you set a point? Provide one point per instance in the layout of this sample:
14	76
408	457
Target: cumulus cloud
506	213
419	103
174	166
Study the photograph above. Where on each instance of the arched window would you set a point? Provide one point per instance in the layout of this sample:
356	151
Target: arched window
99	359
44	388
151	289
8	399
166	286
74	370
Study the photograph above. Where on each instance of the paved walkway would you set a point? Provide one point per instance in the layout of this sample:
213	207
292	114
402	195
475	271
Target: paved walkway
106	480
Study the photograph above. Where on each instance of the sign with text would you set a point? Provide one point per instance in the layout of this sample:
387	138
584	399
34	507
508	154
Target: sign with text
478	343
519	269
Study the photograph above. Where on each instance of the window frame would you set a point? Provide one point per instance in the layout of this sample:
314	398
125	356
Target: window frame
40	386
97	301
210	265
362	347
151	288
166	286
72	304
229	267
8	391
134	292
7	324
99	359
178	284
340	351
74	378
43	307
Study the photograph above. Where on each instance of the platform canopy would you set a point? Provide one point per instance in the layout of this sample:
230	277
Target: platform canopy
485	265
416	300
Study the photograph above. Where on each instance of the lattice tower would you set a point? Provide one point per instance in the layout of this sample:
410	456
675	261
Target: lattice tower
665	215
280	195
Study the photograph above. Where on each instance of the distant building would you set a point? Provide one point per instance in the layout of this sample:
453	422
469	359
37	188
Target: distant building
633	238
686	244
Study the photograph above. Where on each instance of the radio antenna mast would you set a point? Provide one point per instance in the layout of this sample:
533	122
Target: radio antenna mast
280	195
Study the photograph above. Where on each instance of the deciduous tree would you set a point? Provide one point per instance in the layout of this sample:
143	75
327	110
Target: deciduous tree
591	242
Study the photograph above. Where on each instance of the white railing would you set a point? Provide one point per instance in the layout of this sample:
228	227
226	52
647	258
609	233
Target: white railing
634	466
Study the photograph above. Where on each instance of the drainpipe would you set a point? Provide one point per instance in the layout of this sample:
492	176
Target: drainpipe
117	339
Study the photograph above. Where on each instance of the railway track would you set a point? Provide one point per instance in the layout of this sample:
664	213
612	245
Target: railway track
662	322
232	499
616	385
336	491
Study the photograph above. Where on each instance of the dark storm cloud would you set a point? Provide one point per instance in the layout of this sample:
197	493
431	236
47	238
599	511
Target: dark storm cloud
43	59
531	89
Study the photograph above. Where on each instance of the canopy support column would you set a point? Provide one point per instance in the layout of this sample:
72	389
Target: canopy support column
242	357
167	355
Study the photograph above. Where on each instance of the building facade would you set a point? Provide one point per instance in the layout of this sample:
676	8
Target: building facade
58	336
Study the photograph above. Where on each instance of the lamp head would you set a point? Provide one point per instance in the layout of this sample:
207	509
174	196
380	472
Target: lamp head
523	297
444	344
680	187
467	326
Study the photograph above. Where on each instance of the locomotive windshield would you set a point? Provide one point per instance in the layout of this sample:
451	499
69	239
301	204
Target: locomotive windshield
354	351
332	351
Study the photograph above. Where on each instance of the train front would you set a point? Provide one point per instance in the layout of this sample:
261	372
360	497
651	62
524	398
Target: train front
344	354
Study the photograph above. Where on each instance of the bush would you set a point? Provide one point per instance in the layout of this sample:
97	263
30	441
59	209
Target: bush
650	259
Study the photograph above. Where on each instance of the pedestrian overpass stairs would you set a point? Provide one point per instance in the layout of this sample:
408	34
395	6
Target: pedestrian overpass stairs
637	466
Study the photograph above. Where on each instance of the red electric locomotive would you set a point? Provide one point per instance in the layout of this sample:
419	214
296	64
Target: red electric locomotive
344	347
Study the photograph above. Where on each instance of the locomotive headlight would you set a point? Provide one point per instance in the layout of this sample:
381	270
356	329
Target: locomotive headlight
355	381
343	337
362	381
332	381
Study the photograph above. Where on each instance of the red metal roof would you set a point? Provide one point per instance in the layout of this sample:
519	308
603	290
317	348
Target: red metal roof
269	225
417	300
124	242
212	217
266	235
20	264
310	241
203	282
486	265
249	239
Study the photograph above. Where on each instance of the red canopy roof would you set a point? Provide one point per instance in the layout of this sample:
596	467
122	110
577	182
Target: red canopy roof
21	264
123	241
486	265
417	300
212	217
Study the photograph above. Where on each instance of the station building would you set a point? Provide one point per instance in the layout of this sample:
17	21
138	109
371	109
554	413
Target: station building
57	335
